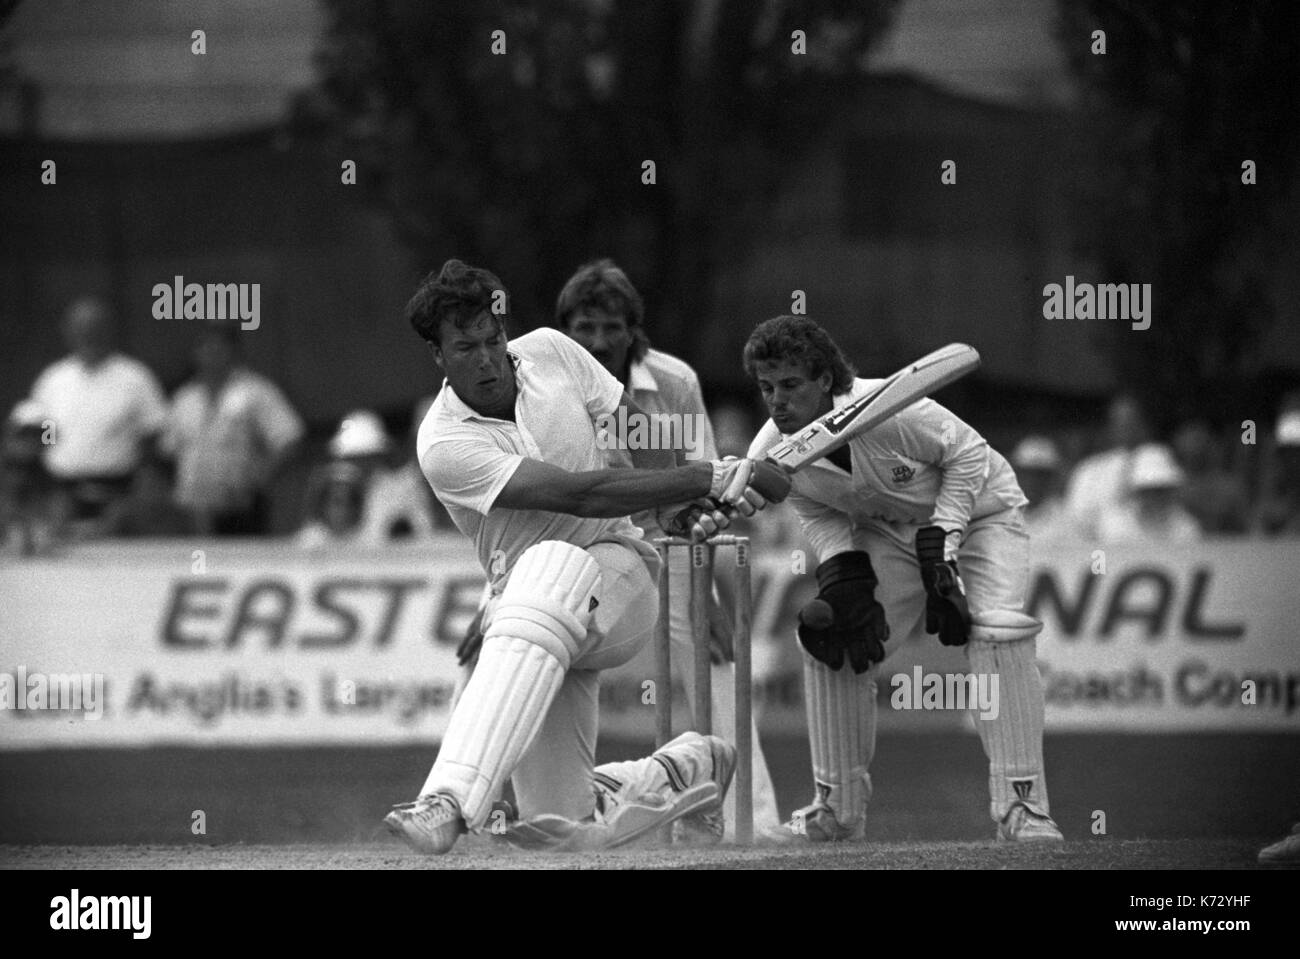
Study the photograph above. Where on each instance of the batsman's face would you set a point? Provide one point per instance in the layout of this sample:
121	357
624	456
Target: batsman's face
605	336
477	366
793	397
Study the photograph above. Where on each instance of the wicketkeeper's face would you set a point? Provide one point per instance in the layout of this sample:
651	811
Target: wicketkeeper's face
793	397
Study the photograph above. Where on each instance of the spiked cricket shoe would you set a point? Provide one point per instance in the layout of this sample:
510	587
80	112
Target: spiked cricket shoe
1026	822
430	825
817	822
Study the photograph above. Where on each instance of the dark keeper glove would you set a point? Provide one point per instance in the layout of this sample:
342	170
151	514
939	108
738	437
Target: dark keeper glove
946	612
847	583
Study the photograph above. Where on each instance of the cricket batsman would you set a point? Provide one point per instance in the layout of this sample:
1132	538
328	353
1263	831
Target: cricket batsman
510	449
917	524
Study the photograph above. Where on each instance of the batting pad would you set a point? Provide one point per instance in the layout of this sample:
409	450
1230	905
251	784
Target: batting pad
535	633
841	707
1013	739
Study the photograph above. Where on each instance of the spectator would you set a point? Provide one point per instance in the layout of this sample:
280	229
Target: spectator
335	506
230	431
1039	469
105	408
1153	513
1216	498
29	502
392	504
1098	483
1278	513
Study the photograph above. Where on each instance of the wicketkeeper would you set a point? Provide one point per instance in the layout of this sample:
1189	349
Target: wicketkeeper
917	524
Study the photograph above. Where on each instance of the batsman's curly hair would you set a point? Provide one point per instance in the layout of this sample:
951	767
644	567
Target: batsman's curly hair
458	293
798	338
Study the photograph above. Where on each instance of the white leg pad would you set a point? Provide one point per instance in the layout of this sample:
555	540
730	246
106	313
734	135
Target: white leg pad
536	631
841	706
1003	644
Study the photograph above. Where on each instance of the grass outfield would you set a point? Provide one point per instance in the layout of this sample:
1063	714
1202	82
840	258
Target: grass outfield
1184	801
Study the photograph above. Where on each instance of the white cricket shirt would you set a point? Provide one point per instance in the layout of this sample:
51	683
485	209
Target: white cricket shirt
468	458
924	466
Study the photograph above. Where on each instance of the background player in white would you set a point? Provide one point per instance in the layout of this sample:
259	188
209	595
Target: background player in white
601	309
510	449
916	524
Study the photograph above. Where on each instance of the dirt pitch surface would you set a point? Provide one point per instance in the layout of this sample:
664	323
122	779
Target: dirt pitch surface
476	853
1163	801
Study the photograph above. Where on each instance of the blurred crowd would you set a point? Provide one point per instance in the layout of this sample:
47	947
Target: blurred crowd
98	450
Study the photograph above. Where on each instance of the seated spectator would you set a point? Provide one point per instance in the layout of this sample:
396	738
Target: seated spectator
105	408
1278	513
335	506
1039	469
394	504
1215	497
230	431
1098	482
30	510
1153	513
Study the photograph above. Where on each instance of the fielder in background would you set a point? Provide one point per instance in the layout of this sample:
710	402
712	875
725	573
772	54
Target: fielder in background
601	309
509	447
916	523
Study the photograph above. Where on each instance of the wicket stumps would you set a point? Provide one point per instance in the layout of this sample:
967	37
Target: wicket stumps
701	589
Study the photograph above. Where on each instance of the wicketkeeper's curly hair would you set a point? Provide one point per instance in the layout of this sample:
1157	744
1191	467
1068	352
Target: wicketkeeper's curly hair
602	285
800	339
459	293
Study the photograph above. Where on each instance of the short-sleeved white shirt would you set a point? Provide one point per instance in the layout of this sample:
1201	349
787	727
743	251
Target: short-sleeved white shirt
101	415
223	445
468	458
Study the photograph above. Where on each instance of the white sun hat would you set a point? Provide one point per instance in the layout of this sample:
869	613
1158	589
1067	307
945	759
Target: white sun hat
1154	467
361	433
1036	453
1288	429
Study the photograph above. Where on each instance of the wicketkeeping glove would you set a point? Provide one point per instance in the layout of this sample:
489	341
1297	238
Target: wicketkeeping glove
847	583
946	612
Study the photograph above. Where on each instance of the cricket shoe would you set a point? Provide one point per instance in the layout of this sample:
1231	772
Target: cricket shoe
817	822
708	826
430	825
614	823
1286	849
1026	822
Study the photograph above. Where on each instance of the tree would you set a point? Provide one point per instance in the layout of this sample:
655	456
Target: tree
530	161
1183	95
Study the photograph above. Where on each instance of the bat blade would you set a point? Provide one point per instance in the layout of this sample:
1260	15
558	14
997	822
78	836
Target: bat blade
913	382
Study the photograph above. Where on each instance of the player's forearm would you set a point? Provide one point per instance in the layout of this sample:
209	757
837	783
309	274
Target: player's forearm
653	459
619	492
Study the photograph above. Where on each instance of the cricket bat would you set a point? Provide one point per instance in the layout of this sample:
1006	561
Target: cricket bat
913	382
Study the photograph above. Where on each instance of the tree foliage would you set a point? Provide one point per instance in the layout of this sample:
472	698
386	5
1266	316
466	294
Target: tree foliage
531	161
1183	95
